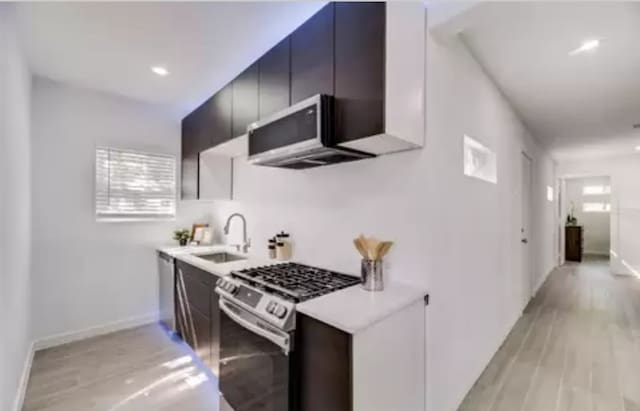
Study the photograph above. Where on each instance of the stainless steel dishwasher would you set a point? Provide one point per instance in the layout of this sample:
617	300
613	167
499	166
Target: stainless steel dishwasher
166	281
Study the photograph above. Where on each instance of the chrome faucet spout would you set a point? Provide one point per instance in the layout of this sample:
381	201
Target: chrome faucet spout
246	243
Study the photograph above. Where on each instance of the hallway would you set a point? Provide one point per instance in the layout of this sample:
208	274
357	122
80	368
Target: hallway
576	348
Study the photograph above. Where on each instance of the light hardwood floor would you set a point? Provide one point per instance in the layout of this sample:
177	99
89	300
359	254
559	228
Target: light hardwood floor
138	369
576	348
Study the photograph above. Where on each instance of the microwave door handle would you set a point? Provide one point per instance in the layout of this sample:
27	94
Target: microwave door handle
279	340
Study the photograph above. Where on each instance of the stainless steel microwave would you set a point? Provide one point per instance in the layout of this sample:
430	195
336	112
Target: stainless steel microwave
301	136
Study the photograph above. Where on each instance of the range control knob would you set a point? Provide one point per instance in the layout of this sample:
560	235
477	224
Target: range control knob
232	288
281	311
271	307
219	282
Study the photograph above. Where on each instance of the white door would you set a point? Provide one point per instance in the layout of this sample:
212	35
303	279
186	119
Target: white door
525	230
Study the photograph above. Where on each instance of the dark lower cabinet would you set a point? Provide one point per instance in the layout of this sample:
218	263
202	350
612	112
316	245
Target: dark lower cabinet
198	316
215	333
200	339
574	243
359	69
312	56
245	100
274	83
325	373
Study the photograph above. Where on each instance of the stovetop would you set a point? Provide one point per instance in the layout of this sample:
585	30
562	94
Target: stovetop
295	282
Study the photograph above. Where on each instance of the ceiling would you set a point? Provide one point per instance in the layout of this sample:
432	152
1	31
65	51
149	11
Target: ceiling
578	106
112	46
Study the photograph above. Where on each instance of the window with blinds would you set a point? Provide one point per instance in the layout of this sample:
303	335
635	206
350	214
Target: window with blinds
131	185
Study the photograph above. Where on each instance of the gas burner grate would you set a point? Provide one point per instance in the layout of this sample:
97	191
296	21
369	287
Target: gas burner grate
295	282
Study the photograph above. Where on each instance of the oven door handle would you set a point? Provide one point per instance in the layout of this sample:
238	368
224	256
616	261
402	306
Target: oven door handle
282	341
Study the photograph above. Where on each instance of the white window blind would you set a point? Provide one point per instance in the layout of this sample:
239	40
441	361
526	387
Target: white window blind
132	185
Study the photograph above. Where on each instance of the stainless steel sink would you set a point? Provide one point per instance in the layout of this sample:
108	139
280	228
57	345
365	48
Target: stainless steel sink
221	257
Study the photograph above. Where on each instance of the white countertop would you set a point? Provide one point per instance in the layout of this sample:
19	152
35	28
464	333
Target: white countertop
189	254
350	310
354	309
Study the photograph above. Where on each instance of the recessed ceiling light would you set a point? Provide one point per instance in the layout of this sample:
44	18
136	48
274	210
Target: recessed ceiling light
637	148
159	70
588	45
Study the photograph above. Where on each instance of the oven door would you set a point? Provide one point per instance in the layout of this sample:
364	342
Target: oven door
255	361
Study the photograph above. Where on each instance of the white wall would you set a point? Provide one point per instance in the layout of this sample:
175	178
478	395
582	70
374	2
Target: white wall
15	203
457	236
473	228
89	274
597	232
625	205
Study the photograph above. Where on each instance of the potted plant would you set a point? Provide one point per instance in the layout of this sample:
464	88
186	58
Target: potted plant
182	236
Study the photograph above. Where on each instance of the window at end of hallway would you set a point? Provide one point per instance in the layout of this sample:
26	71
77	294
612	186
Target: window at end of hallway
596	190
134	186
549	193
596	207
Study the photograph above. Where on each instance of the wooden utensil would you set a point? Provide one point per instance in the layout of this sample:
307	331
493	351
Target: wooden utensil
360	247
386	246
372	246
378	250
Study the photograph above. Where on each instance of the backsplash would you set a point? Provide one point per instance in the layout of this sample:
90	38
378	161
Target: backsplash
324	209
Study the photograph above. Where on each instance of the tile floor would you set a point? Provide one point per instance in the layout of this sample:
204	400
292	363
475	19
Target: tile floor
141	369
576	348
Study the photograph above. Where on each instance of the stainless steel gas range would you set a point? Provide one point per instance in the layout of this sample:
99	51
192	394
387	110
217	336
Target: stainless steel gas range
258	359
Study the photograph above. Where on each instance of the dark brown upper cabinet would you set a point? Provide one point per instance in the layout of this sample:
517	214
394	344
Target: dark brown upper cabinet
312	53
275	79
194	140
369	55
359	69
245	100
190	155
219	121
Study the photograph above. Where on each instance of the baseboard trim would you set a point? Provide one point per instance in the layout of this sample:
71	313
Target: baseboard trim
543	279
64	338
24	379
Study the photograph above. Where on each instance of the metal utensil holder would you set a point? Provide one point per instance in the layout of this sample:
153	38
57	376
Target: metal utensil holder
371	275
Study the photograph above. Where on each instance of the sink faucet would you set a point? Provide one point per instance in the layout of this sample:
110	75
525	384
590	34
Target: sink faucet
246	243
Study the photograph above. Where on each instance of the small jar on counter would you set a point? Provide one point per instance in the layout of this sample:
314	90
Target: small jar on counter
272	249
283	251
283	246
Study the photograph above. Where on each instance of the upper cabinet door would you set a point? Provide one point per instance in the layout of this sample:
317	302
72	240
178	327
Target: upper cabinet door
189	158
245	100
274	79
359	69
218	116
312	56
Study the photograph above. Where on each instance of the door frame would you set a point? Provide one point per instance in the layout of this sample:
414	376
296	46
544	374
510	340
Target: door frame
527	277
